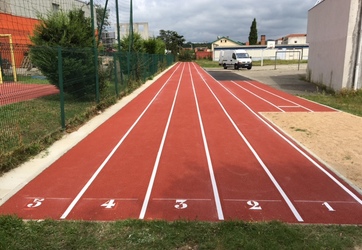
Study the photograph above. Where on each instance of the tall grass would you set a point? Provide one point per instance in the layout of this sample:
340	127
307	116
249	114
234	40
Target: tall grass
346	100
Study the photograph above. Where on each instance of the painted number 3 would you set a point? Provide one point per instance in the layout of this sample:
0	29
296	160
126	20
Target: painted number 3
180	204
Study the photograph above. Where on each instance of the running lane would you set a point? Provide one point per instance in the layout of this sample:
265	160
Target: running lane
318	195
246	190
52	193
182	187
283	101
189	147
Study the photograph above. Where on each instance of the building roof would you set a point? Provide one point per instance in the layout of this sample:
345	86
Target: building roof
296	35
225	37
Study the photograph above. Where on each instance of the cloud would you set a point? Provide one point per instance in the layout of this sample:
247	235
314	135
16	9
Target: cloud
204	20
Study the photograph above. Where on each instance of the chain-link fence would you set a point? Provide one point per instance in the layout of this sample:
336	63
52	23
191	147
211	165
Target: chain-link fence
64	90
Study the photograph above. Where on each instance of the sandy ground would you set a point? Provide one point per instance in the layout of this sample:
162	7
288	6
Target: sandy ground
334	137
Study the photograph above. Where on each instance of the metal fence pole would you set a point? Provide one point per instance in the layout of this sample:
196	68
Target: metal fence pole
95	51
61	87
115	73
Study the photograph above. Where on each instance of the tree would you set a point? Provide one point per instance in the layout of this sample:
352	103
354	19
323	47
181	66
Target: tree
154	46
172	40
137	43
72	32
101	15
253	35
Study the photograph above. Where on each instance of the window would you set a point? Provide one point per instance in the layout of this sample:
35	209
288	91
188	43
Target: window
55	7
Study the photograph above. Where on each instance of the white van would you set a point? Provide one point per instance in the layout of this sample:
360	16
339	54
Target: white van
238	58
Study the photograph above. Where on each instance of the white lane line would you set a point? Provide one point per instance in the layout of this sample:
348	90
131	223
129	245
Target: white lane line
329	201
349	192
209	162
243	200
285	99
271	177
94	176
289	106
155	167
174	199
277	107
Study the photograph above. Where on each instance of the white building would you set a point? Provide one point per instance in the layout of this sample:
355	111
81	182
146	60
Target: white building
293	39
140	28
335	43
34	8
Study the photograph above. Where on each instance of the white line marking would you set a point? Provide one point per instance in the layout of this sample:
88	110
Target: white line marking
309	201
289	106
271	177
298	149
155	167
277	107
285	99
209	162
243	200
94	176
173	199
116	199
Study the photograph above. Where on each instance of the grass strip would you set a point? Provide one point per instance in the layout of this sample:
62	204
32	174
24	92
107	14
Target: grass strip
135	234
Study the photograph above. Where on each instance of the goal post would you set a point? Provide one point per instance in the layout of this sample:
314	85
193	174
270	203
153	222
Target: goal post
13	66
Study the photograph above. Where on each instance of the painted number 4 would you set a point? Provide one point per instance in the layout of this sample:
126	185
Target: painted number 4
109	204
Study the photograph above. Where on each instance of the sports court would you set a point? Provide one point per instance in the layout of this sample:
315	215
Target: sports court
194	148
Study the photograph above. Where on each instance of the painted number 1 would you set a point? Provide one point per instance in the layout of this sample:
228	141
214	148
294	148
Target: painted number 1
329	207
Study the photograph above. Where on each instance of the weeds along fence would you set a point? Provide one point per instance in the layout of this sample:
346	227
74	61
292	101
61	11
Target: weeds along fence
59	90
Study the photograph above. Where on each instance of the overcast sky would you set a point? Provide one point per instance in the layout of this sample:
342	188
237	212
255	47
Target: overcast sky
204	20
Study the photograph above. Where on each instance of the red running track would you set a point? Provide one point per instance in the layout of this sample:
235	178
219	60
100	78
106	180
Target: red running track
190	147
12	92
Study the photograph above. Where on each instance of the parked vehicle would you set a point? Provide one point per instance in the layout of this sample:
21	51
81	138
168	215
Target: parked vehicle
237	58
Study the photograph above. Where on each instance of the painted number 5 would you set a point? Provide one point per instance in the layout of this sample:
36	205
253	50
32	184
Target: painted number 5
36	202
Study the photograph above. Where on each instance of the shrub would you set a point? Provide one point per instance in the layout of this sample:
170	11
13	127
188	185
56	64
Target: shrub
72	32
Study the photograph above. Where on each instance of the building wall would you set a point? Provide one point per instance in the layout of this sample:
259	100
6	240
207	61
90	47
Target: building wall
18	18
32	8
332	36
295	40
140	28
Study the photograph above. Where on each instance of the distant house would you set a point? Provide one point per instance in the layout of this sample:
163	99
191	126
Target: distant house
293	51
335	41
224	42
292	39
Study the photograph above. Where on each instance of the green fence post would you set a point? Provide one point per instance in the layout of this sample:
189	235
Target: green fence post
61	87
95	50
115	73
